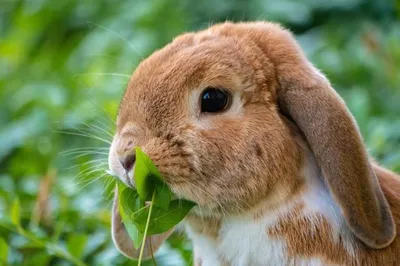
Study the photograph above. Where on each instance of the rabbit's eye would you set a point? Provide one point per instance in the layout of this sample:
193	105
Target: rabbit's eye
214	100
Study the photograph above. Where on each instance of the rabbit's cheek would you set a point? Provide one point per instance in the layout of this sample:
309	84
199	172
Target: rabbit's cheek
170	156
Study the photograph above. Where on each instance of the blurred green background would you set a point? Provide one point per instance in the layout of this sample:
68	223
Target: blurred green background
64	66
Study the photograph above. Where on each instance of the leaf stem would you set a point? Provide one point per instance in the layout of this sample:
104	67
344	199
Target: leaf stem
141	209
146	228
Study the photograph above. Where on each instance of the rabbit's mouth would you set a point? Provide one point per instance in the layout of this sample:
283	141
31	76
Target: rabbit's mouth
129	181
127	178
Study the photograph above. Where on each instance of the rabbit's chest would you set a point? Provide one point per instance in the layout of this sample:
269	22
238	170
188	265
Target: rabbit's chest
241	243
282	237
237	244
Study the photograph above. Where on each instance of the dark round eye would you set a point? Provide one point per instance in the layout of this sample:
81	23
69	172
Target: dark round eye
214	100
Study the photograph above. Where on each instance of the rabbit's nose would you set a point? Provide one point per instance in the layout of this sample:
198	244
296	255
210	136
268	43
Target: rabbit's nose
128	161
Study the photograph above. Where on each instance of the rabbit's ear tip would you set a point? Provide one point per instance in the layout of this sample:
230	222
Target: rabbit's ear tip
378	235
379	240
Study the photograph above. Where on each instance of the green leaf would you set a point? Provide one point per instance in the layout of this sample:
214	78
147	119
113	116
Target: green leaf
127	201
7	223
163	195
148	179
147	176
143	175
37	259
76	244
145	161
16	213
161	215
3	250
163	220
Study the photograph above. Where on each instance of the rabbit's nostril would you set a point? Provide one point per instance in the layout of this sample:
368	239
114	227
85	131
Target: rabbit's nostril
129	146
128	161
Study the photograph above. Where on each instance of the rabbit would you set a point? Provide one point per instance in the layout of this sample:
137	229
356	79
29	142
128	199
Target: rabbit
238	120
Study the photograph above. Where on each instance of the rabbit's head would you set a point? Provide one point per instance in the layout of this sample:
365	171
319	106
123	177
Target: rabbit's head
212	110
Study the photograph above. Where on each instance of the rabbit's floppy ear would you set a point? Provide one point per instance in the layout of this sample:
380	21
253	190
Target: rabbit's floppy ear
123	241
308	98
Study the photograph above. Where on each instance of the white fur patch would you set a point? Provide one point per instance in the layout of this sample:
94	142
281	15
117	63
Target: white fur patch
245	241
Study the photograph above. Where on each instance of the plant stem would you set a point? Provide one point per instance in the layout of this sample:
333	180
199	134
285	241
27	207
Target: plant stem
145	229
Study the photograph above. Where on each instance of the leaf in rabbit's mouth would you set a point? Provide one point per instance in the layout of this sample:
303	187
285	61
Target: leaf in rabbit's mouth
149	209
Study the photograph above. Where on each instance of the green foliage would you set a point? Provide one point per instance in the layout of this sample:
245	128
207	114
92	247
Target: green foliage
63	69
160	214
76	244
3	251
149	180
162	220
128	205
16	213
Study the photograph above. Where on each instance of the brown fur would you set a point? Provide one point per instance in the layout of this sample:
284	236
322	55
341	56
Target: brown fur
230	162
208	226
315	238
304	94
209	153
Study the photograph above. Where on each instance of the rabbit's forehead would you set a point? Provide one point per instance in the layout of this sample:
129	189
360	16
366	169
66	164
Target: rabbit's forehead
162	85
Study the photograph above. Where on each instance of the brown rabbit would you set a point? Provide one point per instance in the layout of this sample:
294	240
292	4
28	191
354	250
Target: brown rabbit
238	120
